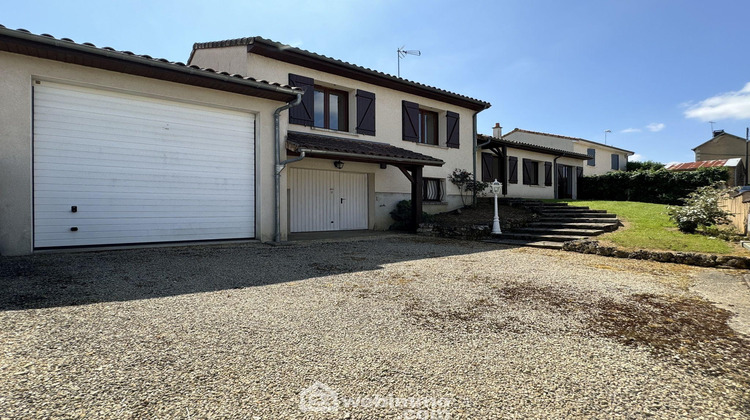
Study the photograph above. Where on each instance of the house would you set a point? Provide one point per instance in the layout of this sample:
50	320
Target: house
723	146
101	147
359	142
734	166
603	158
529	170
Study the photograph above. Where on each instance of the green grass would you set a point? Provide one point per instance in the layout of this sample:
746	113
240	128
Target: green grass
649	227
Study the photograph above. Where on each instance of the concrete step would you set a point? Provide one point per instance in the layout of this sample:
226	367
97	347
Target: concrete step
586	214
539	237
572	210
558	231
534	244
606	225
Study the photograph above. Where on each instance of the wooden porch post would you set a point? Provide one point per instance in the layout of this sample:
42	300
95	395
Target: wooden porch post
416	196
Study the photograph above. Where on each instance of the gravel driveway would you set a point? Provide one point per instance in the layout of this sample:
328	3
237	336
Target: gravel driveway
386	328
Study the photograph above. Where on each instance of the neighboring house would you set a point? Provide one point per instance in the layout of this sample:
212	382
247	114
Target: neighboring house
734	166
103	147
603	158
723	146
530	170
360	141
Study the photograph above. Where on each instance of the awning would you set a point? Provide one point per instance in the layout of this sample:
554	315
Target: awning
329	147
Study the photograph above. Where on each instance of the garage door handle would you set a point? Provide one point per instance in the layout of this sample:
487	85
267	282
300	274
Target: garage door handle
342	201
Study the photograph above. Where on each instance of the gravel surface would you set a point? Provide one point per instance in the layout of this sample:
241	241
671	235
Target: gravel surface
387	328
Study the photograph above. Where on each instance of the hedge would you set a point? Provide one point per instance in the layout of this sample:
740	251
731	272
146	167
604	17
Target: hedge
648	186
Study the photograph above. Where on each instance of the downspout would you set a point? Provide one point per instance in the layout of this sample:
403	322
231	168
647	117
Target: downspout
476	149
279	165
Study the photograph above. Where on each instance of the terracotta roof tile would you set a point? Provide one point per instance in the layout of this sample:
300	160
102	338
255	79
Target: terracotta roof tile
363	149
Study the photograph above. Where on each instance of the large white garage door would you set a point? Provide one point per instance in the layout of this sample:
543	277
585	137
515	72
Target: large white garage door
327	200
114	168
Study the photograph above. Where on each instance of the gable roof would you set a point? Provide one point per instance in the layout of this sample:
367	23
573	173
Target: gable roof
355	150
716	137
46	46
304	58
518	130
495	142
691	166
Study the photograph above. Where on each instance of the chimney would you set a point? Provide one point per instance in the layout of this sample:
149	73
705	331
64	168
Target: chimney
497	131
718	132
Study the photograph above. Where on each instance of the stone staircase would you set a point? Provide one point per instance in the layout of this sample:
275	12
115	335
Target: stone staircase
556	224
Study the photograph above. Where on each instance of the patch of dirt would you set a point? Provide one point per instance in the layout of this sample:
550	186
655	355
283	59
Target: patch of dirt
483	213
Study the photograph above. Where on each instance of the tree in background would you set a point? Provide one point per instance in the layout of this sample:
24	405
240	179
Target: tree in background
648	165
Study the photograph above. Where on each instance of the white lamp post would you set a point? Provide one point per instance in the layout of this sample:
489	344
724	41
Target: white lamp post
496	221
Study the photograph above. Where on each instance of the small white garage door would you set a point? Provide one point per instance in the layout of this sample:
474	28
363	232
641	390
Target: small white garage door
327	200
115	168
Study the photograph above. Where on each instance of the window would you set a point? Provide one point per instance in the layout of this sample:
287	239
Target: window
428	127
530	172
331	108
615	162
432	189
592	155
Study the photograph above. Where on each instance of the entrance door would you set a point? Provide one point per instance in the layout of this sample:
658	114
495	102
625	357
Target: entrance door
327	200
564	181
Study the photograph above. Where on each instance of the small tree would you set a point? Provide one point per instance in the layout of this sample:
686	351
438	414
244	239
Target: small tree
701	209
464	180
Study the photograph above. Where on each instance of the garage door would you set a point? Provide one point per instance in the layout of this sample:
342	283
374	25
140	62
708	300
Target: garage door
114	168
327	200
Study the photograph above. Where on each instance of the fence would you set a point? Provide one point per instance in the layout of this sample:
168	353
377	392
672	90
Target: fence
739	207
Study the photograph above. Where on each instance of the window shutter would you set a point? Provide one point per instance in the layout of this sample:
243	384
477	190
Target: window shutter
548	174
579	172
527	172
452	130
302	113
365	113
512	170
487	160
410	121
615	162
592	155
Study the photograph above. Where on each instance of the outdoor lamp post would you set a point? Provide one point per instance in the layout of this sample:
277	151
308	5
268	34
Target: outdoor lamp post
496	221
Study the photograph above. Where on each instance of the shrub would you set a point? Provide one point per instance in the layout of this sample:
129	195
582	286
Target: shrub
701	209
648	186
402	216
644	166
464	180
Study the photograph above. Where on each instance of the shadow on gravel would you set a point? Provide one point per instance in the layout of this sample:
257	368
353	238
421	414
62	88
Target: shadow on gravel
65	279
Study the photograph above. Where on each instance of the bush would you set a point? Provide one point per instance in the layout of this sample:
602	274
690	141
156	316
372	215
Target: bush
644	166
701	209
402	216
464	180
648	186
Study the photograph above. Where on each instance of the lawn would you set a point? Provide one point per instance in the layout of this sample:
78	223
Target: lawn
647	226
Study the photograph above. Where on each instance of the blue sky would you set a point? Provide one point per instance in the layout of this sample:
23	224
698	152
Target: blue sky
653	72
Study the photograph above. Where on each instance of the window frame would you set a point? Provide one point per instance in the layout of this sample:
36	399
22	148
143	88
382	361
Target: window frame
423	113
343	112
441	190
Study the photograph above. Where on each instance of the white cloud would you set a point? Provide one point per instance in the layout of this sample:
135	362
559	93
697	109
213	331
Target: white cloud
729	105
636	158
631	130
655	127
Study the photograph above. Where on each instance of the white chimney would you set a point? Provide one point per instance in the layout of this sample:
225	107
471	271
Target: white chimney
497	131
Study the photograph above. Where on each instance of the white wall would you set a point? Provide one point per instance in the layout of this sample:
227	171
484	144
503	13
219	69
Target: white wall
16	140
603	160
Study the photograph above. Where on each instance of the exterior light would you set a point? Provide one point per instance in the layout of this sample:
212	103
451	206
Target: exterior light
338	164
496	186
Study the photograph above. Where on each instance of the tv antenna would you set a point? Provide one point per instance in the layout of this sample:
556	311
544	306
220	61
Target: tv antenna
403	53
712	126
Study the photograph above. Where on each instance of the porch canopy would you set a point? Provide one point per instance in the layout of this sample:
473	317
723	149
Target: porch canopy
500	147
337	148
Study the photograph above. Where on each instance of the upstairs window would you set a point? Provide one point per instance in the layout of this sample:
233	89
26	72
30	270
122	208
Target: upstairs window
331	108
428	127
592	157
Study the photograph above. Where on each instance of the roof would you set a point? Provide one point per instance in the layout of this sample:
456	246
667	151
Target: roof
355	150
719	133
518	130
691	166
293	55
46	46
495	142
